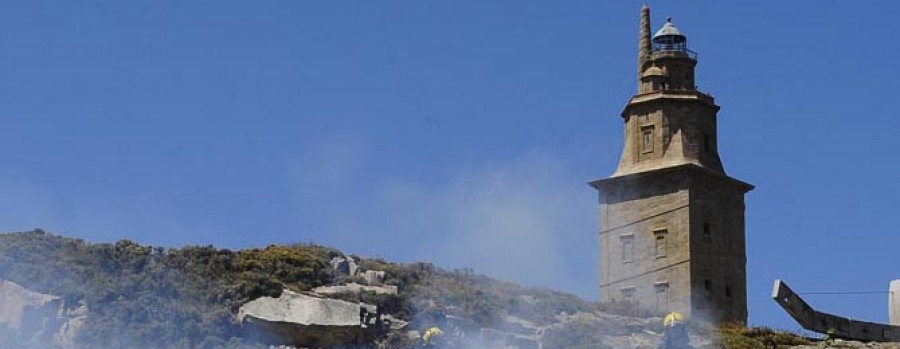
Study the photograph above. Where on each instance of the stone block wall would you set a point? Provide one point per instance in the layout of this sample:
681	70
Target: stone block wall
718	250
644	242
673	239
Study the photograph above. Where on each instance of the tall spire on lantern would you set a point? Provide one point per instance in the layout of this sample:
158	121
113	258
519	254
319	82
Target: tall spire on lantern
645	48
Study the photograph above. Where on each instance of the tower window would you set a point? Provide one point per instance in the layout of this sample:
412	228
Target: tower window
662	297
707	235
707	286
627	248
706	143
728	289
727	233
647	139
628	293
660	242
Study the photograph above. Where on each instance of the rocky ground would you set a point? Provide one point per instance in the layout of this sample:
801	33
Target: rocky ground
849	344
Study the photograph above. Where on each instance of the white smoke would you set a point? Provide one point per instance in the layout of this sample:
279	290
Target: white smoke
529	219
520	220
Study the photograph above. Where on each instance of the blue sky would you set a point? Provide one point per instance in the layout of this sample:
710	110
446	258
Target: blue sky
459	132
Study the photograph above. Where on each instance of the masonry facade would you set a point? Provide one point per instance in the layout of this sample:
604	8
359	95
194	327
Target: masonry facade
671	220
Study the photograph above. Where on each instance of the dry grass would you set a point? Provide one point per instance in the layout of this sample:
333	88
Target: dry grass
741	337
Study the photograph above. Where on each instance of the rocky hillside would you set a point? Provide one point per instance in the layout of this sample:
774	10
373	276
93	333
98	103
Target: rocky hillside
66	293
154	297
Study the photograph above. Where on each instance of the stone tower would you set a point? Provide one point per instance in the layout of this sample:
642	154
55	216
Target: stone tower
671	219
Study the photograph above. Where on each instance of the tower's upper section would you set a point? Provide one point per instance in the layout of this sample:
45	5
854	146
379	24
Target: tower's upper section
668	122
665	62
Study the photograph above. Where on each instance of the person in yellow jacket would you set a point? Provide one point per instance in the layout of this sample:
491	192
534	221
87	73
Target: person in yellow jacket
432	337
674	332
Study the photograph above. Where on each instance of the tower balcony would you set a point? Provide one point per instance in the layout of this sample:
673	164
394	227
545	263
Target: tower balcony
663	52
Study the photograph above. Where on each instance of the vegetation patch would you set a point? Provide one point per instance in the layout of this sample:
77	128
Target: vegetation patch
741	337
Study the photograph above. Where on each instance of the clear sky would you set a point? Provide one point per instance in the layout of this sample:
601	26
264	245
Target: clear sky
460	132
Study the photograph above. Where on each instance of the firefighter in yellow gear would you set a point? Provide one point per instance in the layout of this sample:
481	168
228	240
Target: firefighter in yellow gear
674	332
829	338
673	319
432	337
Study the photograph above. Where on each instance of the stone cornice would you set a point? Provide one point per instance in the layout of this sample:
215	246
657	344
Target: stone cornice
669	95
691	168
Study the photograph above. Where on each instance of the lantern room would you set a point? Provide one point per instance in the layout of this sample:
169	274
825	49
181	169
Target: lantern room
669	38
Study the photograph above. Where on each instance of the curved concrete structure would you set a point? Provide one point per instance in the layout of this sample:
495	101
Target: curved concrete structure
820	322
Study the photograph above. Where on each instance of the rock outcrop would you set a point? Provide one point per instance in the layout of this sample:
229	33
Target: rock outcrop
347	267
304	320
344	267
374	277
314	320
355	288
34	318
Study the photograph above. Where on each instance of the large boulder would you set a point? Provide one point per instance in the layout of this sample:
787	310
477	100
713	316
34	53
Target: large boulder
303	320
33	318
